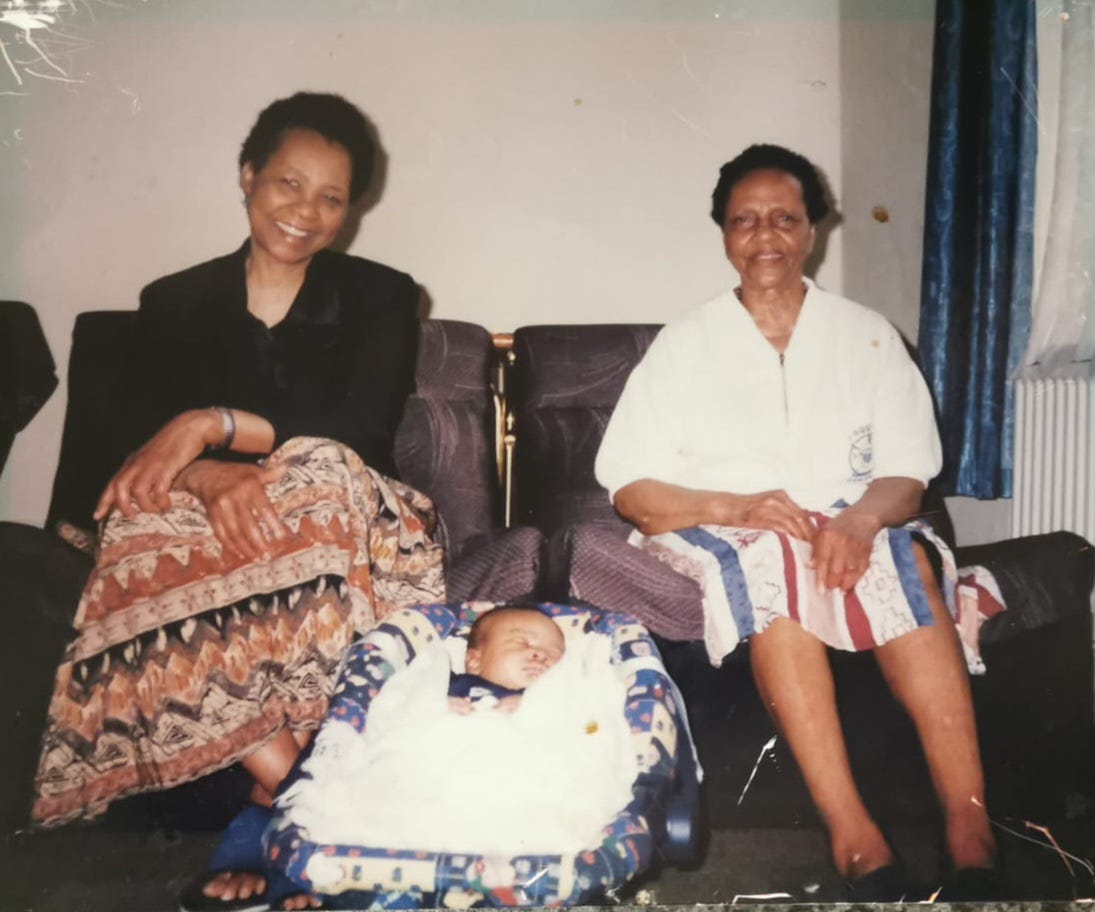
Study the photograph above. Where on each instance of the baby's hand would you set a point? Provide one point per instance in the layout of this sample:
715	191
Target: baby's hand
460	705
509	704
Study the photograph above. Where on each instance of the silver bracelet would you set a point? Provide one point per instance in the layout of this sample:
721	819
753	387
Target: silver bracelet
228	426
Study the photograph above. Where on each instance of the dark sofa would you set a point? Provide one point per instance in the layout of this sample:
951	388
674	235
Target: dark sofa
1034	705
27	376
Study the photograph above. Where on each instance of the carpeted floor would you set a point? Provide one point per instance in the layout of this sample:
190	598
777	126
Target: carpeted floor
90	869
765	843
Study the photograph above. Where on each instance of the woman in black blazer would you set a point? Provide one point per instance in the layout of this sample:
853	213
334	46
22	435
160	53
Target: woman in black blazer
254	528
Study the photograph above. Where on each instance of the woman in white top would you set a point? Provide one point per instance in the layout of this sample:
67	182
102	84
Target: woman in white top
780	407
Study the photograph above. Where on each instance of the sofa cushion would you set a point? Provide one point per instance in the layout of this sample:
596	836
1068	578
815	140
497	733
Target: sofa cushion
444	445
562	390
585	365
500	565
606	571
93	443
563	387
1043	579
555	484
40	583
455	360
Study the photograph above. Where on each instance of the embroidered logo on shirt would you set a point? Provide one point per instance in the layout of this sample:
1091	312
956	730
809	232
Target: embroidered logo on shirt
861	454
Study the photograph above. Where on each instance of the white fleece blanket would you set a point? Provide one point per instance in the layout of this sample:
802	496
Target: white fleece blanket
545	779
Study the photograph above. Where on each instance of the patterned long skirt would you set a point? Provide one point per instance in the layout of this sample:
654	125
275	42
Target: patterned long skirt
188	656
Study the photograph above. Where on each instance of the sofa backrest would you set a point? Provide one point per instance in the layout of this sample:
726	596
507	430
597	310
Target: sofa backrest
91	448
562	388
444	445
563	385
27	375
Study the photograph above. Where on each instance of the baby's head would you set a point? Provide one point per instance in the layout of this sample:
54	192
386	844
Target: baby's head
513	646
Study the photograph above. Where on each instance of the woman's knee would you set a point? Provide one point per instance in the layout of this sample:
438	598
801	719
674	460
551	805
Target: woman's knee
783	637
317	453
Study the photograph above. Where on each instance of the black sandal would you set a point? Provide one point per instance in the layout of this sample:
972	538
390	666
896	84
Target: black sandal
888	884
975	885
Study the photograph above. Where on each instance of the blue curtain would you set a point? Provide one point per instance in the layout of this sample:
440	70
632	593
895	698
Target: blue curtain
976	289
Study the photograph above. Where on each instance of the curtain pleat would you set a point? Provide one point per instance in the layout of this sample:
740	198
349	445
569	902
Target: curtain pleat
978	233
1063	330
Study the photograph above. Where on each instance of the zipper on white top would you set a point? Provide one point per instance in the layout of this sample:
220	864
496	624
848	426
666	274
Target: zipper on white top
783	382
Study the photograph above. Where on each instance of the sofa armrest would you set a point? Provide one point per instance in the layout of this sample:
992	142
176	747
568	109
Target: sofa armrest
1042	578
40	575
27	374
40	583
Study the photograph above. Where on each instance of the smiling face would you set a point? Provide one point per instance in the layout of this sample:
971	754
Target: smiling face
297	203
514	647
766	232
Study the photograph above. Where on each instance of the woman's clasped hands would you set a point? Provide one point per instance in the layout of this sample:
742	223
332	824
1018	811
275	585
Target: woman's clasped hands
775	511
236	502
841	547
842	550
234	494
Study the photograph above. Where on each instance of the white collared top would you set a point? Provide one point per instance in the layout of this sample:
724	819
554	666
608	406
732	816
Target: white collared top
713	406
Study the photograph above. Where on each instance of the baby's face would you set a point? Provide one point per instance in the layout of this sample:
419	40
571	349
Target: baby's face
516	648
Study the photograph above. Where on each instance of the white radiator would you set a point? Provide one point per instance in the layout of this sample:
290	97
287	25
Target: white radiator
1054	482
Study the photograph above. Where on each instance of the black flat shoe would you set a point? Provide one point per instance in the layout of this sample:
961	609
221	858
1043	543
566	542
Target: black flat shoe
886	884
974	885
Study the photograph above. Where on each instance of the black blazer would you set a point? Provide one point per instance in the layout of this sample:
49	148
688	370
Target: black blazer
340	364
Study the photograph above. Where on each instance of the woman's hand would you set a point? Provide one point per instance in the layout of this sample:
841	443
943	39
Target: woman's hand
842	549
148	474
772	510
234	495
657	506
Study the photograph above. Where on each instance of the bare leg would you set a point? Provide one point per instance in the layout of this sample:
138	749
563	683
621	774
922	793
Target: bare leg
792	672
926	672
268	765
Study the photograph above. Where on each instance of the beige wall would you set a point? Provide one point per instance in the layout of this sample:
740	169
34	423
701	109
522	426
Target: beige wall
885	78
543	167
548	162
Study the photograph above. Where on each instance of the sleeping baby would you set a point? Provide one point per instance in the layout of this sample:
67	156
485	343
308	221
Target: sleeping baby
508	649
517	744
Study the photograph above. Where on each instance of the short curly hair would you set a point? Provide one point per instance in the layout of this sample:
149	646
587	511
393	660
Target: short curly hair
331	116
767	157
